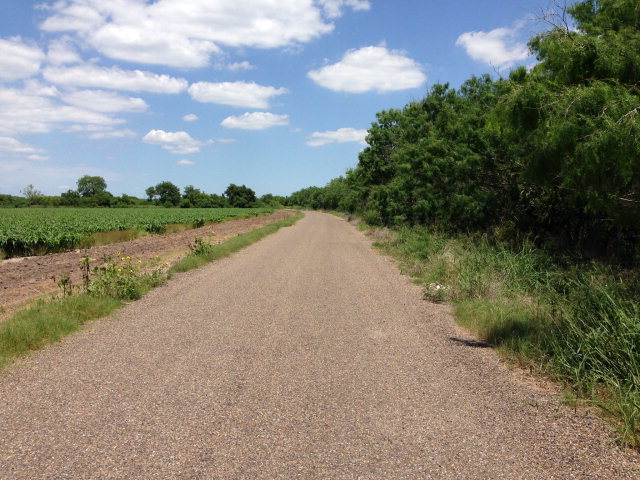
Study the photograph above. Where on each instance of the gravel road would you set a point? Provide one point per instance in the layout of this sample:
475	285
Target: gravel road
305	356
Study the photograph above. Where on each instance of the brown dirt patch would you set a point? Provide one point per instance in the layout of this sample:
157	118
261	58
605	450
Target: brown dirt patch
25	278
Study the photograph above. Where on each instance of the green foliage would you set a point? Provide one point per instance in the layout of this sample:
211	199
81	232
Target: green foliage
90	186
240	196
168	194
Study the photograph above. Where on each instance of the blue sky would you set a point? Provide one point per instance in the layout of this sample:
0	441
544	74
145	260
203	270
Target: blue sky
273	94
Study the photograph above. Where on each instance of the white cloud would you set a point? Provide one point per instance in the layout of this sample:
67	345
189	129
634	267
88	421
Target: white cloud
334	8
255	121
190	117
234	67
235	94
182	33
104	101
34	109
499	48
180	143
13	146
18	60
114	78
100	132
342	135
61	51
370	69
146	44
184	161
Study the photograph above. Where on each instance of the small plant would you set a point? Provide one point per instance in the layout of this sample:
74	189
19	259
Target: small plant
65	285
124	279
200	247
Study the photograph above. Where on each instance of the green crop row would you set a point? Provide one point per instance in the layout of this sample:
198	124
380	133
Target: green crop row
25	231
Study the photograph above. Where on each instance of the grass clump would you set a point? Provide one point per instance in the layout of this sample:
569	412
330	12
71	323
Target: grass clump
203	252
48	322
576	322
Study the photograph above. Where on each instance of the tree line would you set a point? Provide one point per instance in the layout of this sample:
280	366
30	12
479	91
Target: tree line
91	191
551	152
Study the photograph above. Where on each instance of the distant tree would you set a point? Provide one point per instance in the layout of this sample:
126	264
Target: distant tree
151	193
240	196
89	186
70	198
32	194
168	194
270	200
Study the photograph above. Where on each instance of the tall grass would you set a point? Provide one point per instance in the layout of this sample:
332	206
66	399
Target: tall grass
579	323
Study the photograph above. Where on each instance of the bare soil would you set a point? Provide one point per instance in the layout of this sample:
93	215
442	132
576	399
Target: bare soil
25	278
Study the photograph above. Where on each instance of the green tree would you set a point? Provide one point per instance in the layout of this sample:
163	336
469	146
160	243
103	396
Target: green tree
240	196
168	194
70	198
90	186
151	193
32	194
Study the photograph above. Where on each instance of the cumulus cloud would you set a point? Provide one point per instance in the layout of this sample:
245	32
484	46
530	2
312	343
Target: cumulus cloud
235	94
19	60
190	117
186	34
35	109
499	47
255	121
104	101
62	51
342	135
370	69
184	161
236	66
334	8
180	143
88	75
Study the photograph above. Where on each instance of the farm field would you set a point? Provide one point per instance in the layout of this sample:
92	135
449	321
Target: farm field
31	231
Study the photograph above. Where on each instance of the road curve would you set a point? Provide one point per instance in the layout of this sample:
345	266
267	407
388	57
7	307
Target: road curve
305	356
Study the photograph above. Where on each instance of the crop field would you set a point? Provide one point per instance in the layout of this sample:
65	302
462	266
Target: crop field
28	231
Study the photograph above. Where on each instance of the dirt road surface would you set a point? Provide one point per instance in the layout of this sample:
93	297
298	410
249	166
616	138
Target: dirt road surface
305	356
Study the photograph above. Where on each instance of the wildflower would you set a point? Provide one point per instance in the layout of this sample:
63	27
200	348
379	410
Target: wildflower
119	270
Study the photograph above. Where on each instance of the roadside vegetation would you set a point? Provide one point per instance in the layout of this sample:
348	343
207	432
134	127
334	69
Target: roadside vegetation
105	288
518	200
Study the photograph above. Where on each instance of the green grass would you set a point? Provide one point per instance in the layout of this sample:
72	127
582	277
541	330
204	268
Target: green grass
577	323
204	253
47	323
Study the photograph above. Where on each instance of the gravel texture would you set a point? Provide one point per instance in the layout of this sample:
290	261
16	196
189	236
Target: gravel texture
306	356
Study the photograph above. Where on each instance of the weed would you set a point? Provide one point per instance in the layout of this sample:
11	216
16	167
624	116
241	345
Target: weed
200	247
124	279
